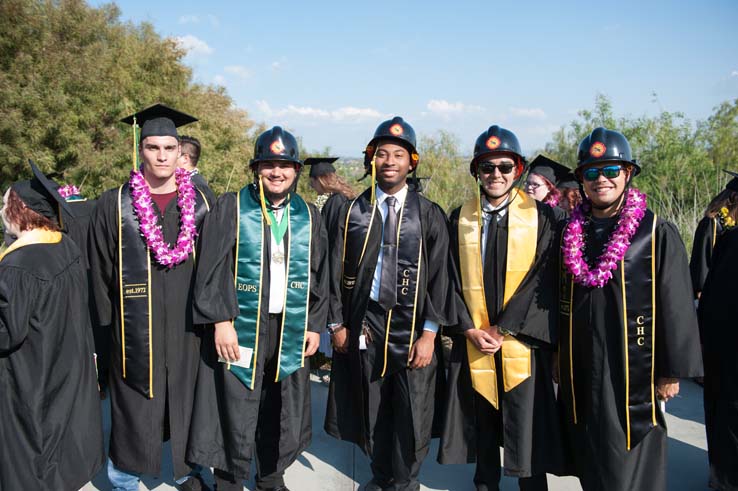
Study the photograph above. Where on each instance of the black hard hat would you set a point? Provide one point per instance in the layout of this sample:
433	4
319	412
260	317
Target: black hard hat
496	140
603	145
276	144
397	130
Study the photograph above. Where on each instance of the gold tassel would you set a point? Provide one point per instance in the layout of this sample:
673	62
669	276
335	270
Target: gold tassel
135	144
263	203
374	178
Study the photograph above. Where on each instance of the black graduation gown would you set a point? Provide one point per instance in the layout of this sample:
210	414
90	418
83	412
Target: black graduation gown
718	312
51	425
331	211
226	412
139	424
202	184
350	413
705	236
530	432
598	441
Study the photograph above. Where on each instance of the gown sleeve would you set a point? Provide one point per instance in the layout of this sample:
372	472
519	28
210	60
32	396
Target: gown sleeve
699	264
335	265
319	271
18	292
215	293
102	242
441	298
677	337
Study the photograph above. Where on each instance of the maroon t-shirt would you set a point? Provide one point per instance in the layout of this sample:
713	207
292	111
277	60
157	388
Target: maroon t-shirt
162	200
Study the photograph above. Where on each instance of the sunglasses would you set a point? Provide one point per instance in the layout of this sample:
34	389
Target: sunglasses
610	172
489	168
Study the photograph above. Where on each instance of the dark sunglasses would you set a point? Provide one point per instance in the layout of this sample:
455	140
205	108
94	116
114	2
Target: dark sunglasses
610	172
489	168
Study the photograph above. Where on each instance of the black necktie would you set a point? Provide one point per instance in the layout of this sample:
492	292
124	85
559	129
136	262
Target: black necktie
388	280
490	266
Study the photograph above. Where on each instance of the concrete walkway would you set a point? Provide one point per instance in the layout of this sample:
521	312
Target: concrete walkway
329	464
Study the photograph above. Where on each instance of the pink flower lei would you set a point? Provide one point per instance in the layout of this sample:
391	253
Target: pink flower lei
148	219
552	200
68	190
573	244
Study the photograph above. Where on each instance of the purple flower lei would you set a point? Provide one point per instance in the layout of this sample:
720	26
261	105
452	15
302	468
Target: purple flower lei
68	190
573	244
552	200
148	219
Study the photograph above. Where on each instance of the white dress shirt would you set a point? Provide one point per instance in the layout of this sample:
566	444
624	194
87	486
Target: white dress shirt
376	281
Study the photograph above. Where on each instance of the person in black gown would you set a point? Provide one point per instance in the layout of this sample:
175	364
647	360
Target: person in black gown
625	340
261	284
51	426
717	315
189	157
505	261
721	215
390	291
145	305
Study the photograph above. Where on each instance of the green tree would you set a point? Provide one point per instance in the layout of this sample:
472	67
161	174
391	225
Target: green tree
69	72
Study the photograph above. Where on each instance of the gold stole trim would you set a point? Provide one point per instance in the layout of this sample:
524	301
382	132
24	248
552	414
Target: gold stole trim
521	249
35	236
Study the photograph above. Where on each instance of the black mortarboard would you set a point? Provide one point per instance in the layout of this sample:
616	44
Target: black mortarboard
320	166
40	194
733	183
553	171
159	120
569	181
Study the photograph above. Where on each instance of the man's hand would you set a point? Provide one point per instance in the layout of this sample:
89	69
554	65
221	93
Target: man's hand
421	353
495	333
667	388
340	339
226	341
312	341
482	340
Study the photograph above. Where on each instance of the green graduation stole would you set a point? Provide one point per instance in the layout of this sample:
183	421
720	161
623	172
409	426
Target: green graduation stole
248	274
636	295
134	294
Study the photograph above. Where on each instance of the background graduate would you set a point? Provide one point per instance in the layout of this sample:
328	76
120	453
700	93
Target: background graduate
500	382
189	157
51	425
262	264
390	290
627	326
142	288
721	215
718	312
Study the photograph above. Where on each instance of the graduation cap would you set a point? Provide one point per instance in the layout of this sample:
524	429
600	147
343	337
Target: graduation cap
40	194
159	120
320	166
733	183
569	181
553	171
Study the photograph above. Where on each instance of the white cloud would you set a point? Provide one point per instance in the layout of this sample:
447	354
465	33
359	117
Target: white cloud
445	108
219	80
346	113
193	45
734	73
239	70
189	19
276	65
526	112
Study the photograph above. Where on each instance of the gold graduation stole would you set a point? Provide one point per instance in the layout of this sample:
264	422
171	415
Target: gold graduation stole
521	250
35	236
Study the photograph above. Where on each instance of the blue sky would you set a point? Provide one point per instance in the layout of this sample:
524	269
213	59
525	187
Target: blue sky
332	71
